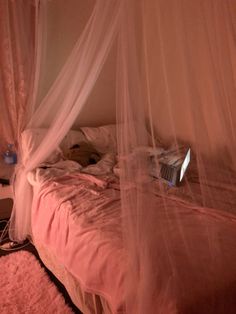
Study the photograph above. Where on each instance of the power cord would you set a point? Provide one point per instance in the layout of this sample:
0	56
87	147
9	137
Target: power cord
13	246
4	231
6	244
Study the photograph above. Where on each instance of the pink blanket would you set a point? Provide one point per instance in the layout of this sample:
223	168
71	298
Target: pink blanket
79	220
78	217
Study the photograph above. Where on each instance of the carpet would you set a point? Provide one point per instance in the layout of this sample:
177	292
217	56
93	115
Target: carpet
25	287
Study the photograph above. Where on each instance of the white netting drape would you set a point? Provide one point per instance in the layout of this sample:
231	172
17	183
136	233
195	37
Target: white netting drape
66	97
175	78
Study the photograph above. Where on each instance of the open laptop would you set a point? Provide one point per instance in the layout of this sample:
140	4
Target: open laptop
173	165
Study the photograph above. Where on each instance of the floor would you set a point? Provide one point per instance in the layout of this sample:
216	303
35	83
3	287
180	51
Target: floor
61	288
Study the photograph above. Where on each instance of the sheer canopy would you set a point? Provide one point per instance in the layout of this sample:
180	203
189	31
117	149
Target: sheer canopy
175	85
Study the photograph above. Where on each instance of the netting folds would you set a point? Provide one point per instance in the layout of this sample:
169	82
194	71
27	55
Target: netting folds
175	83
66	97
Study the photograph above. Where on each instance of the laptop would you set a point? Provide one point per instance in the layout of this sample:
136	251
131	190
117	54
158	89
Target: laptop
173	165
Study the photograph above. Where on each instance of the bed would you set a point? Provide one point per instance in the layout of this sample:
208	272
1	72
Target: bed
76	228
76	245
102	191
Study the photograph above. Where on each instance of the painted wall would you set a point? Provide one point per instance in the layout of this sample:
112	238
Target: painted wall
66	20
192	69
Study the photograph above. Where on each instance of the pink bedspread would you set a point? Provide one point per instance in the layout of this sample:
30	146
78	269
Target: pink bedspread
78	217
79	220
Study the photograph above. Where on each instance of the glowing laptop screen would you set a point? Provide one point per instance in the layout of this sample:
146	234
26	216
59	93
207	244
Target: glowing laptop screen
184	165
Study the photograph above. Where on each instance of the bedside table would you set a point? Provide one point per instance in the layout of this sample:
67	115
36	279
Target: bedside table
6	194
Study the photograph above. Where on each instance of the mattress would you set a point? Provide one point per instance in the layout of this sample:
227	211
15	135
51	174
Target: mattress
87	302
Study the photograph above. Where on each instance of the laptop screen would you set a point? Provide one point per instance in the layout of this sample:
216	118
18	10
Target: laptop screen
184	165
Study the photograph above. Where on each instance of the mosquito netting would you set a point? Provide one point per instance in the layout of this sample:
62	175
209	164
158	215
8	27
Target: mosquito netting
175	72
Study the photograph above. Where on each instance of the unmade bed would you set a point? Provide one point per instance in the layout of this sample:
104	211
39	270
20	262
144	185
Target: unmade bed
76	223
76	228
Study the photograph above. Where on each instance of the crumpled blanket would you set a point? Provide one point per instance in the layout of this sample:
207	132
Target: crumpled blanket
78	217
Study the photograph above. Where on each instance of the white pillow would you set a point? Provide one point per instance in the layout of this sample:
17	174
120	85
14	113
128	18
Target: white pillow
102	138
73	137
30	140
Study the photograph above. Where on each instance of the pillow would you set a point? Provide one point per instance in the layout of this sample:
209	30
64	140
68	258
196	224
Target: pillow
72	138
102	167
102	138
30	140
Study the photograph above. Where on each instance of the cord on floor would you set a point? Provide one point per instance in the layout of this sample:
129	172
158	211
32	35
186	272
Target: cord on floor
6	244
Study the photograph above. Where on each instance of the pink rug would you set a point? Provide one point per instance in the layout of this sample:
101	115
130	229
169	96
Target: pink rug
25	287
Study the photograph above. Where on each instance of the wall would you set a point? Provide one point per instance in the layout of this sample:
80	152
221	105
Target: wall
190	65
192	70
66	21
